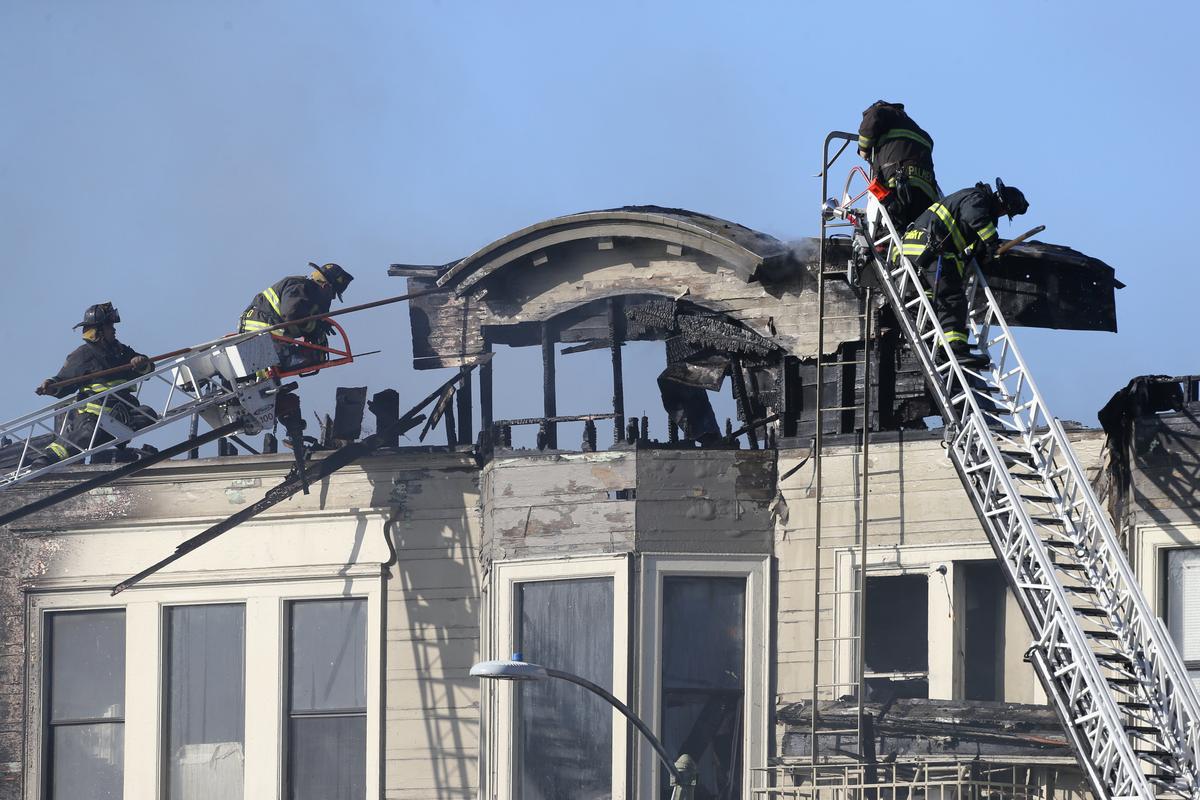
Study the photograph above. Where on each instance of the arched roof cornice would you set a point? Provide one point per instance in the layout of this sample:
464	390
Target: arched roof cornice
736	247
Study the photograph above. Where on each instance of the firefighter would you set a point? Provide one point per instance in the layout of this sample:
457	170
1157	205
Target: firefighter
293	298
100	351
901	157
945	237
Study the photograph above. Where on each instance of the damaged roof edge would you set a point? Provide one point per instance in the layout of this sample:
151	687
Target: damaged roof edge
744	249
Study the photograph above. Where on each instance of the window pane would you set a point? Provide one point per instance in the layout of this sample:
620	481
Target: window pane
703	681
87	761
329	655
327	755
87	656
897	636
564	732
86	662
328	758
206	701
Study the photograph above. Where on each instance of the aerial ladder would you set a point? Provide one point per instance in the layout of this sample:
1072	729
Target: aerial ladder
1106	660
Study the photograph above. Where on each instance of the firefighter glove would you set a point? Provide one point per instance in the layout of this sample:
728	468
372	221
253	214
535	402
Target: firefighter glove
44	386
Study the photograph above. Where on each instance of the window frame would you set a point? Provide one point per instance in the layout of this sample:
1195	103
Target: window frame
1189	665
286	678
44	712
266	618
507	576
655	567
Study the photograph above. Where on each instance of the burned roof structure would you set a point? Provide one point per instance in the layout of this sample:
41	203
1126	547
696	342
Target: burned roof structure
726	299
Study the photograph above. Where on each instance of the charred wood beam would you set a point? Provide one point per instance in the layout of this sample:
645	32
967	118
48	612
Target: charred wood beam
485	394
507	423
465	434
616	335
745	413
549	399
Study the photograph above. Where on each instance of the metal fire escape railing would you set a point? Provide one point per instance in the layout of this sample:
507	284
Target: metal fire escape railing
221	381
1106	661
833	637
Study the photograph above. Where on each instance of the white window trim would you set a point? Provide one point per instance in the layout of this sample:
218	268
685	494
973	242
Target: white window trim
266	633
507	575
756	570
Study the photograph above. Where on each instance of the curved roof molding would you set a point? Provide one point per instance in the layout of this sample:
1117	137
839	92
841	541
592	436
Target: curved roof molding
739	248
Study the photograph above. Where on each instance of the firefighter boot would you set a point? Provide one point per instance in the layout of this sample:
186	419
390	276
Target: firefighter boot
962	351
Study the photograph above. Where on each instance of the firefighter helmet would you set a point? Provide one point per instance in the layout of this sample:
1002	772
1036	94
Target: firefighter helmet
99	314
335	276
1012	200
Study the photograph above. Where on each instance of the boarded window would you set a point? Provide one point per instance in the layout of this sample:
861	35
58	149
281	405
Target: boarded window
327	700
1183	606
205	702
897	637
85	737
564	733
703	680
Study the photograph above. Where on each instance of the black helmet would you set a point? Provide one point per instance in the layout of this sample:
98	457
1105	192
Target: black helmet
335	276
99	314
1012	201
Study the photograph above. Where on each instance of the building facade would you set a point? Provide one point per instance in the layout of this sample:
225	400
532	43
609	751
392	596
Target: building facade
322	649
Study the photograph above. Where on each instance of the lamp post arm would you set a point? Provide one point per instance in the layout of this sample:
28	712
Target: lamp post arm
629	715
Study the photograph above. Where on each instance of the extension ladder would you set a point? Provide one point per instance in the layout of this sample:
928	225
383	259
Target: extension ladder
230	380
1106	661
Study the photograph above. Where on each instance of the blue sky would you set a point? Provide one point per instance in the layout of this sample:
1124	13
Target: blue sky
176	158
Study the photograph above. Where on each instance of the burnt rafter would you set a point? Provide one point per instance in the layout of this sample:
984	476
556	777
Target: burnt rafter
697	327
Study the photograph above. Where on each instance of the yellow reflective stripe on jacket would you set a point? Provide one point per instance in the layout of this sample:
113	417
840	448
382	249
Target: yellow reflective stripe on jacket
864	142
273	298
900	133
987	232
912	249
57	449
943	213
253	324
924	185
94	408
955	336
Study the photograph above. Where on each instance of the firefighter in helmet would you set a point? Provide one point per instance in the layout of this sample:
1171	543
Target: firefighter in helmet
900	153
293	298
945	237
100	351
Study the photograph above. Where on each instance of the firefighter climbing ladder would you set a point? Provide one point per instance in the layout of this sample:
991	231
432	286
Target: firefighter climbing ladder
1106	661
216	381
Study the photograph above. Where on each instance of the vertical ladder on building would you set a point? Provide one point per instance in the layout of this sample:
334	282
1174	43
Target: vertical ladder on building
842	633
1106	661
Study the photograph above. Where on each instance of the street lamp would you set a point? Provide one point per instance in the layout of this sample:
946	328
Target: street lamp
682	771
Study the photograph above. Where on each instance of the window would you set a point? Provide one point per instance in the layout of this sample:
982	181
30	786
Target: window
703	679
327	700
205	702
202	678
85	737
703	641
897	637
984	593
1183	606
563	741
564	734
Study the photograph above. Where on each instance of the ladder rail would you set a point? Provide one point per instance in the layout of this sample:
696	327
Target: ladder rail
1088	523
196	383
1062	654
